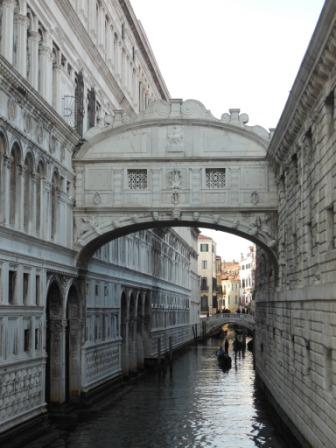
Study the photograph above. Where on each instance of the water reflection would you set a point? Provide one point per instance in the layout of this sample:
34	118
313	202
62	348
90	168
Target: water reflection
197	405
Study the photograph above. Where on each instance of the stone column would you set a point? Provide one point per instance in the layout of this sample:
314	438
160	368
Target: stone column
45	210
6	184
32	222
2	189
57	360
21	22
101	28
33	46
109	46
92	18
45	59
7	29
57	70
20	203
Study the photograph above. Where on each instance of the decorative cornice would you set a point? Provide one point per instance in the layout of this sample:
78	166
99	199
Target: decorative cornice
314	72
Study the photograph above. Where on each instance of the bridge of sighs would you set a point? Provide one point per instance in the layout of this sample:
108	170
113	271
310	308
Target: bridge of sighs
175	165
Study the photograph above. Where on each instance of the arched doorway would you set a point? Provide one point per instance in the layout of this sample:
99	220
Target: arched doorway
55	347
73	346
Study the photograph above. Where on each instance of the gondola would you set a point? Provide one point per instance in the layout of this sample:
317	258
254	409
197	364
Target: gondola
224	360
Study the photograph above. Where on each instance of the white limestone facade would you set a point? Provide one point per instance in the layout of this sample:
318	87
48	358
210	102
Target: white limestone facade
65	68
295	315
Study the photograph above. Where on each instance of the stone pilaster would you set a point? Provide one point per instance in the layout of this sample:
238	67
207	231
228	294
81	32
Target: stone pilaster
32	221
57	100
33	49
45	60
20	203
6	183
20	23
92	19
7	29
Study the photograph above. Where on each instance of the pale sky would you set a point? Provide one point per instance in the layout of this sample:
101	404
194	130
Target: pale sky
230	53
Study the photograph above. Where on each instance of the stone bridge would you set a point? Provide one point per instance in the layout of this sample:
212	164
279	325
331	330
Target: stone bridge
213	323
175	165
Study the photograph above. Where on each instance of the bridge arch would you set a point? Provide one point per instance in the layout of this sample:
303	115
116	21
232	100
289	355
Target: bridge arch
175	165
90	246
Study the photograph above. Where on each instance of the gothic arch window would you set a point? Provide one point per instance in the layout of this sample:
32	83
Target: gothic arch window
28	193
55	182
15	190
39	193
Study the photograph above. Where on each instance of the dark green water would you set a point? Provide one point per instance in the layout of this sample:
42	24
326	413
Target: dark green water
198	405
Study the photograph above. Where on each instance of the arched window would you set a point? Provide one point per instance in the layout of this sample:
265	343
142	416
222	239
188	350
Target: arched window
15	190
55	182
39	190
28	193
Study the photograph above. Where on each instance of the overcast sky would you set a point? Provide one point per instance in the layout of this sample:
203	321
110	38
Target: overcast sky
230	53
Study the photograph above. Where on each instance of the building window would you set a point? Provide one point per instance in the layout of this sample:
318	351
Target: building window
37	290
204	264
137	179
215	178
11	286
26	340
204	283
204	248
37	339
25	288
330	109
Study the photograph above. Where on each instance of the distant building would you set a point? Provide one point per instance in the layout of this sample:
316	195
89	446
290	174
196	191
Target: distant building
230	282
247	276
220	297
207	273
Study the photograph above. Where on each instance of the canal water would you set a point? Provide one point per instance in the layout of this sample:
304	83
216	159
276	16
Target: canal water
197	405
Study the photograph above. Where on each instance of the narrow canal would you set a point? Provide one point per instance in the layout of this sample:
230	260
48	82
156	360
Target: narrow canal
196	405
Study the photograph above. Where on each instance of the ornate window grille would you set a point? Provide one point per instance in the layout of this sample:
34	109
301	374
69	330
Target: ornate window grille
215	178
137	179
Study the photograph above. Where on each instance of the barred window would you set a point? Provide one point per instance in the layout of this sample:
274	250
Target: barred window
215	177
137	179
